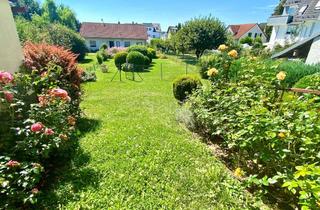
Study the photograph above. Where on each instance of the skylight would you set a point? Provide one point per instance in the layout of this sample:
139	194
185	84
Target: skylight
303	9
318	5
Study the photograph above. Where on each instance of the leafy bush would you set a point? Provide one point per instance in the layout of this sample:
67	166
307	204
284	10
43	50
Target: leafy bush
54	65
88	76
102	56
310	82
104	46
297	70
207	62
120	58
247	40
184	86
114	50
137	59
141	49
152	53
147	61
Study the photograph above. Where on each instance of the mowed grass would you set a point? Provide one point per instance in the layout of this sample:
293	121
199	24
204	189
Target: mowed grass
136	156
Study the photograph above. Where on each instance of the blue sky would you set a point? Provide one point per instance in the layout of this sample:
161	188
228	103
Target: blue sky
171	12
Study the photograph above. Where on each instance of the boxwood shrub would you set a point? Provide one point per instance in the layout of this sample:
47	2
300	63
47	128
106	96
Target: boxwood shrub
120	58
183	86
141	49
137	59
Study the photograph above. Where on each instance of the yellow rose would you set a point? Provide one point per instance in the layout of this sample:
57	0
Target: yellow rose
281	75
239	173
282	135
212	72
233	53
222	47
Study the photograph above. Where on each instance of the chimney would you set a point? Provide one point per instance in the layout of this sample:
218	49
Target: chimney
118	22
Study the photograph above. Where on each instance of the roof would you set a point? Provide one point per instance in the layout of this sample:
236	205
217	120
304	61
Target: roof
112	30
172	28
241	29
310	13
304	43
154	25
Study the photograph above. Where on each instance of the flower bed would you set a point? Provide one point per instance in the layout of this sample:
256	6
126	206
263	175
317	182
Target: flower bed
39	110
272	138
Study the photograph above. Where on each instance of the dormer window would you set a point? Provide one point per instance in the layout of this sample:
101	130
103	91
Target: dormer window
318	6
303	9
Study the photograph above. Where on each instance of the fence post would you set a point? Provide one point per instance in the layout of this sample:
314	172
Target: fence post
186	69
161	72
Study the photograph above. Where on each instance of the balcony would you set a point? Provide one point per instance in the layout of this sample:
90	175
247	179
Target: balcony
279	20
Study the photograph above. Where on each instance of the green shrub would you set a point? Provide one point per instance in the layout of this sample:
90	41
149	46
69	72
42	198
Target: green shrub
152	53
207	62
142	49
120	59
183	86
102	56
247	40
310	82
104	46
147	61
137	59
296	70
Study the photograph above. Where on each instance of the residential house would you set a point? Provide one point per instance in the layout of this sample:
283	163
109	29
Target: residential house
299	21
153	30
171	30
247	30
113	35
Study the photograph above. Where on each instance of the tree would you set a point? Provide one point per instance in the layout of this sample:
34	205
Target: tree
50	12
247	40
279	9
202	34
68	18
32	7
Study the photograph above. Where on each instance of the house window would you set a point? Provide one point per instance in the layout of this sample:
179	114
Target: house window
318	5
153	36
255	35
117	44
303	9
260	35
93	44
127	44
249	34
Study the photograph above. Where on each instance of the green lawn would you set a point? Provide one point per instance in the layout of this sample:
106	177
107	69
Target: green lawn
136	156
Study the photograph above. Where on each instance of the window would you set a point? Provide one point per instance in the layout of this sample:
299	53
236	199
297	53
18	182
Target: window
318	5
303	9
93	43
117	44
255	35
153	36
127	44
260	35
249	34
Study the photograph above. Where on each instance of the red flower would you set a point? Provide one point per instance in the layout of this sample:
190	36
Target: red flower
8	96
37	127
60	93
13	164
5	77
48	132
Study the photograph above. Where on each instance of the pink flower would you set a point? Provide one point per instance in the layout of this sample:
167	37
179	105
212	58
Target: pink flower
37	127
48	132
60	93
8	96
5	77
13	164
35	191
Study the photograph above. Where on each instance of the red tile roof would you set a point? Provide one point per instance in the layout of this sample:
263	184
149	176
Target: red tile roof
110	30
240	30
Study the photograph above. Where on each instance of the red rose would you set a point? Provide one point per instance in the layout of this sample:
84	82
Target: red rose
8	96
13	164
37	127
48	132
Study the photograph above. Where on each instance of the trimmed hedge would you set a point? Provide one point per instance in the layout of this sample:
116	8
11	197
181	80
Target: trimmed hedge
137	59
183	86
120	58
310	82
141	49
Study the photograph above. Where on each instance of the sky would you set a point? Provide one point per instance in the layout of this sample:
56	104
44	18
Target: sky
171	12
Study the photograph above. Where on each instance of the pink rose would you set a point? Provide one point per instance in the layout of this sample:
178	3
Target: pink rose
35	191
48	132
13	164
8	96
37	127
60	93
5	77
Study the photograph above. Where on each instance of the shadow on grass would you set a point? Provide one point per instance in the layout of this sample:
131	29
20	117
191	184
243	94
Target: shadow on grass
189	59
86	60
72	174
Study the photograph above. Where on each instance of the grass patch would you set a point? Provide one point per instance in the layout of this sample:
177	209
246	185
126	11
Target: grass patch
137	155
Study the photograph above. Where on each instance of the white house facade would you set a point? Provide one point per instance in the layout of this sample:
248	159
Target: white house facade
241	31
113	35
153	31
299	21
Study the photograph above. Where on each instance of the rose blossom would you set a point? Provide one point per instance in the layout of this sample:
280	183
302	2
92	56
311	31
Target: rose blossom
13	163
60	93
8	96
37	127
35	191
48	132
5	77
71	120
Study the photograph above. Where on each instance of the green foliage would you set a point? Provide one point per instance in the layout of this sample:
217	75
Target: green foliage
184	86
137	59
279	9
32	6
247	40
120	59
147	60
104	46
296	70
207	62
158	44
102	56
200	34
152	53
50	12
309	82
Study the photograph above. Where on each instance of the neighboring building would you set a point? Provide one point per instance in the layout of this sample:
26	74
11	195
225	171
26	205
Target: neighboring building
153	30
247	30
171	30
299	21
114	35
11	54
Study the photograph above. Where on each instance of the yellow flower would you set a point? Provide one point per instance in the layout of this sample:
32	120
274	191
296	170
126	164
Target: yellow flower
233	53
239	173
222	47
212	72
318	203
282	135
281	75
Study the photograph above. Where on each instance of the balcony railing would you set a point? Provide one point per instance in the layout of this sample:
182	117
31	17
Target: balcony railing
279	20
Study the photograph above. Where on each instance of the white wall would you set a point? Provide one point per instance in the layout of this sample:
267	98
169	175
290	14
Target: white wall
101	41
255	30
313	56
11	53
